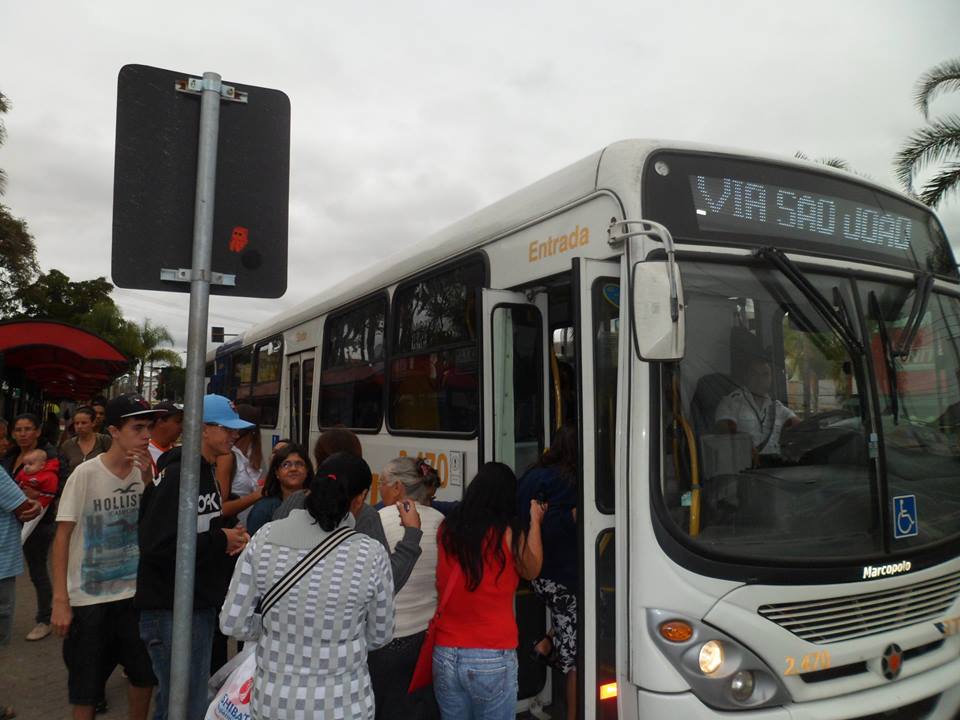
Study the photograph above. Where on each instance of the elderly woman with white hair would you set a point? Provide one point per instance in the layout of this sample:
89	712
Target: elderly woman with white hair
407	480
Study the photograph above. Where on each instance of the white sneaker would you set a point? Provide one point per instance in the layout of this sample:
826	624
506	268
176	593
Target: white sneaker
39	632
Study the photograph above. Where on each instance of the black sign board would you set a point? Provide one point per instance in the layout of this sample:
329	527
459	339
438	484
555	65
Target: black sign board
155	177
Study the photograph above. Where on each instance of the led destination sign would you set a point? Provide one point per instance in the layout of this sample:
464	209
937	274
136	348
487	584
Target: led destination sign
735	200
728	204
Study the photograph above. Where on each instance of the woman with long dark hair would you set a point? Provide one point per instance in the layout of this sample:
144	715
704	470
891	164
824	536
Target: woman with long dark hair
483	552
290	471
554	479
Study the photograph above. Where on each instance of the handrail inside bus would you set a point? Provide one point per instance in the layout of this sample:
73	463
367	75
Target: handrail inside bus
681	422
557	395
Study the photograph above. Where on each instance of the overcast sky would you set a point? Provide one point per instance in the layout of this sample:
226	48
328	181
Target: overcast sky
407	116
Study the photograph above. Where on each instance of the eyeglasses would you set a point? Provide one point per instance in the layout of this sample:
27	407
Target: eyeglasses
291	464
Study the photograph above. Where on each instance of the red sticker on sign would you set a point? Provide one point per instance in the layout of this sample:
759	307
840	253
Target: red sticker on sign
239	239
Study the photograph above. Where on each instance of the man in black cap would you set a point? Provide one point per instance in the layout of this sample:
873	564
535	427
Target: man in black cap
166	430
95	563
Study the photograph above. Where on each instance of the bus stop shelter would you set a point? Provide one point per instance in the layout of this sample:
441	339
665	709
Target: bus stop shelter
46	360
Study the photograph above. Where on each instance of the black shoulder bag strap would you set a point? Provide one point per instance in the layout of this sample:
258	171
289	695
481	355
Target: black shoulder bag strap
292	576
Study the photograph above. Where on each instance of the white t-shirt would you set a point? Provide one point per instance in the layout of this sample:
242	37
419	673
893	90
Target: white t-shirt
417	600
756	418
102	561
246	479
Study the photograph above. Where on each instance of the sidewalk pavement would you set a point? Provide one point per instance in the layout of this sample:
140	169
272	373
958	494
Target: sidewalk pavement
33	678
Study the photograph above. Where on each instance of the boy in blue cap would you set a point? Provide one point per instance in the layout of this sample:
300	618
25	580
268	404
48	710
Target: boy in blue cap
216	543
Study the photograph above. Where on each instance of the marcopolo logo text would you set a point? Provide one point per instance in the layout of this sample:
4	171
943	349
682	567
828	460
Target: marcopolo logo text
875	571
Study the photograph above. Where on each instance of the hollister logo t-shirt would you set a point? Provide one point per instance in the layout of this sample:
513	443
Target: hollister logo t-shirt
102	565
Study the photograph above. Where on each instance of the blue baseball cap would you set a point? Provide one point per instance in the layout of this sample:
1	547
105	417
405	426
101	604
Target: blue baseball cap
218	410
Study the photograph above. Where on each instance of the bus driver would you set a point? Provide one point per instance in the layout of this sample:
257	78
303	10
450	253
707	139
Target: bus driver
752	409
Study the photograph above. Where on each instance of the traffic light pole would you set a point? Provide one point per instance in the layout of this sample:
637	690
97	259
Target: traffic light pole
200	278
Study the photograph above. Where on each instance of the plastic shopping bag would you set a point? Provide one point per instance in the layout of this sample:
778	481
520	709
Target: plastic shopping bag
30	525
233	685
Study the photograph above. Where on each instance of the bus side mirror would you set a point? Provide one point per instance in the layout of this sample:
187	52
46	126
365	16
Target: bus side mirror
657	319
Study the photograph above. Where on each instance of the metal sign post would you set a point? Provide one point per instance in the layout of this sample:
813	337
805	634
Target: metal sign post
193	401
235	144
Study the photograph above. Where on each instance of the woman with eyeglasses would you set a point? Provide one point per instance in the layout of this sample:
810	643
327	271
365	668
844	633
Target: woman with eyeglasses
290	471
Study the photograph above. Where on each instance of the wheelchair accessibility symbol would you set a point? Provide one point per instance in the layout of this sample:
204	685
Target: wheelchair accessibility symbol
905	516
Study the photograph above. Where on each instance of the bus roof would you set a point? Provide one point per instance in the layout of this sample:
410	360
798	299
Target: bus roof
617	168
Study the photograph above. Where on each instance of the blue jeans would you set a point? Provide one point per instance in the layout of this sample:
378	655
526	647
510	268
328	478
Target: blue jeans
475	684
156	631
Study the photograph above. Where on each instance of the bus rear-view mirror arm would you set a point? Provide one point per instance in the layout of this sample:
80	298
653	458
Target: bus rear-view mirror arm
654	291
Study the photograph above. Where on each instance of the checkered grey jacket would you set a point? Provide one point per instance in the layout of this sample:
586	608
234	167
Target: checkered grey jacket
312	648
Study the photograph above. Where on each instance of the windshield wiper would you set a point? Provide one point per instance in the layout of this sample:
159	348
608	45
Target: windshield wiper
920	298
839	323
889	357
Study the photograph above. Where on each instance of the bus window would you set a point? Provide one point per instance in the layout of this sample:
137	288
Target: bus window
351	379
242	374
517	385
606	330
919	398
266	388
434	384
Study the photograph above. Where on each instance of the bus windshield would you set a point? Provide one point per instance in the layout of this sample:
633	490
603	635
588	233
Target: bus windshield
769	433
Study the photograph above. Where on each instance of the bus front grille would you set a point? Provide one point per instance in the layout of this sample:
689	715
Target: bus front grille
854	616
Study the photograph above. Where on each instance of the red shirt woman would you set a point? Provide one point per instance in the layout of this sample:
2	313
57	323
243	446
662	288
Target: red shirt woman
484	553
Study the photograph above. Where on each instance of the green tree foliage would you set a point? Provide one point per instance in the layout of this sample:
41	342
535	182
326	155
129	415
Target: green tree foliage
18	261
55	297
18	254
937	144
834	162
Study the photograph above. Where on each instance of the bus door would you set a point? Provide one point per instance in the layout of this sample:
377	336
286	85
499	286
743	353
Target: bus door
300	374
596	294
516	414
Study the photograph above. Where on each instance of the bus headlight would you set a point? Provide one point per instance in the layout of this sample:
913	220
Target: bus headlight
711	656
741	685
722	672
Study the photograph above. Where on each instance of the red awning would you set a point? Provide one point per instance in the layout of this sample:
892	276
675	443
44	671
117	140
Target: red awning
66	362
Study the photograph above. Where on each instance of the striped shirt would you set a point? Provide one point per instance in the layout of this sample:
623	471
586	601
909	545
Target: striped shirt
312	645
11	497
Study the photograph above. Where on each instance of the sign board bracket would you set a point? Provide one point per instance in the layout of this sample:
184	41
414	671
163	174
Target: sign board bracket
188	275
196	86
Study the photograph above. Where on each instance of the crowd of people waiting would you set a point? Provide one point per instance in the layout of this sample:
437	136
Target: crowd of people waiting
344	638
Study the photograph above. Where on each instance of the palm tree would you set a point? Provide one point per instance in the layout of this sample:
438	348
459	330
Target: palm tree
936	144
834	162
149	339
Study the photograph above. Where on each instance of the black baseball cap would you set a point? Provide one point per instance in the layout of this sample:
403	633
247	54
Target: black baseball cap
166	408
128	406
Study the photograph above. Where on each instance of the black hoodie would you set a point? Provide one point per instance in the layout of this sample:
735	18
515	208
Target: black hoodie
158	540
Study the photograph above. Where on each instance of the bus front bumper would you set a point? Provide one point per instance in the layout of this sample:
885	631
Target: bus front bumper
942	681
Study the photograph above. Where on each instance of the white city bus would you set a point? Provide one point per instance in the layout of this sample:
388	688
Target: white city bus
798	560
